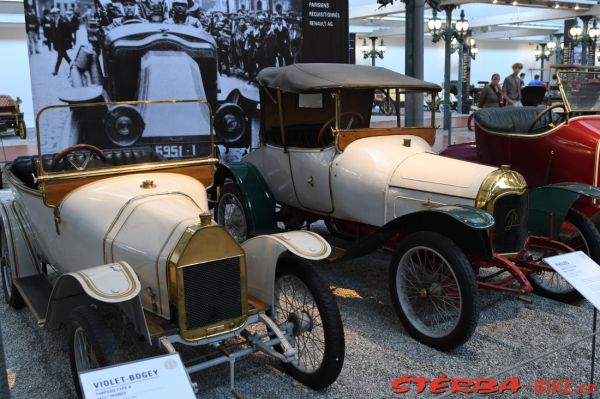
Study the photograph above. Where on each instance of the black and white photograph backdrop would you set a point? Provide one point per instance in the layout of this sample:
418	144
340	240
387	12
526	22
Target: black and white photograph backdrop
89	51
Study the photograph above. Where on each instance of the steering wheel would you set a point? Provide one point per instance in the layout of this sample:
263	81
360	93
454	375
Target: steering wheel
544	112
78	147
131	21
331	121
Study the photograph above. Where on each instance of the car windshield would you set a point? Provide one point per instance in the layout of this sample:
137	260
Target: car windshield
93	136
581	90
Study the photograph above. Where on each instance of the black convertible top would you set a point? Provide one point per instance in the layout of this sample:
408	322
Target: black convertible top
303	78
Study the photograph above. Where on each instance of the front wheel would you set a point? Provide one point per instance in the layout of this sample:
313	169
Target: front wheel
434	291
91	343
579	233
306	303
230	212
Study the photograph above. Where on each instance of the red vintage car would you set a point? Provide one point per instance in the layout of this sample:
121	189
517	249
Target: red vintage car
549	145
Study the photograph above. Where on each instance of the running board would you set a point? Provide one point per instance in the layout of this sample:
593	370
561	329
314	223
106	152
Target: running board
35	291
336	254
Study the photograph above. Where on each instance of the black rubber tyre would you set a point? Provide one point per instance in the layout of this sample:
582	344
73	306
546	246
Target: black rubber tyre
292	270
231	213
587	240
12	296
436	265
87	331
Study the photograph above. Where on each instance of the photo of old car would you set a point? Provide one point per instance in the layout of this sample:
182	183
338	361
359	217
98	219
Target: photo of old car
547	145
447	221
11	117
150	251
149	61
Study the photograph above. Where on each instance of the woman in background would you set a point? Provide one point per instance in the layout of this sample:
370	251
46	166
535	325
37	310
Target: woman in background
491	95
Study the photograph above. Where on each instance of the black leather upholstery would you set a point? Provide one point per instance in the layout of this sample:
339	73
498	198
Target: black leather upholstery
532	95
24	167
511	119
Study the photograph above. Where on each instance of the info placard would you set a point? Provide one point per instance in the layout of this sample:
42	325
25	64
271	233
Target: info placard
581	272
153	378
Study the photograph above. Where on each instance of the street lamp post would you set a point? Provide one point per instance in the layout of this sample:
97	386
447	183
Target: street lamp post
586	36
471	47
447	32
374	51
543	54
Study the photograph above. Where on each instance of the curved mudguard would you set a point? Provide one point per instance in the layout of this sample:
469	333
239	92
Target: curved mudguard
258	200
549	205
114	283
263	253
20	247
466	225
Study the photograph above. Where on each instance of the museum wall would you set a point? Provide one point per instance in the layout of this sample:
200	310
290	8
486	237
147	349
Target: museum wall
14	68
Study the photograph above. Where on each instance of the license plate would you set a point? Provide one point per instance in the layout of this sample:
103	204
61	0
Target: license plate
177	150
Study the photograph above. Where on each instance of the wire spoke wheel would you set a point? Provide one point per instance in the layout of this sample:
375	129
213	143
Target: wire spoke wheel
428	291
231	214
578	232
91	342
307	306
295	303
434	290
85	358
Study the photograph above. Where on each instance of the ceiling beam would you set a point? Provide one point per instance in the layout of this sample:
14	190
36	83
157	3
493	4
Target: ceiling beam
533	16
517	32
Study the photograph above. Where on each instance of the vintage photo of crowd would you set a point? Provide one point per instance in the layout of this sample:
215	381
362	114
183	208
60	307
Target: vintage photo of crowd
74	42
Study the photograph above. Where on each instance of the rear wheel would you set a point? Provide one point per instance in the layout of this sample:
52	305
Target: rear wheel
12	296
434	291
302	299
579	233
91	343
230	212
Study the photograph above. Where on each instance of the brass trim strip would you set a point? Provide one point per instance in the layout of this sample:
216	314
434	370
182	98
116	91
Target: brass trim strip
157	263
125	169
93	287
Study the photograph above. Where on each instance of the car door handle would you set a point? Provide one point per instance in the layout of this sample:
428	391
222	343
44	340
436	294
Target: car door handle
311	181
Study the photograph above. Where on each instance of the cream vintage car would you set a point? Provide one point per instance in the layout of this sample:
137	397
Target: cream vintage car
124	230
323	156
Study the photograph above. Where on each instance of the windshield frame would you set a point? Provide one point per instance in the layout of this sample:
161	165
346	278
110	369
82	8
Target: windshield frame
45	176
561	86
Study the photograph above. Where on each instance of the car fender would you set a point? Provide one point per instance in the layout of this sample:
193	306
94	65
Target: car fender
263	253
259	203
549	205
112	283
20	248
466	225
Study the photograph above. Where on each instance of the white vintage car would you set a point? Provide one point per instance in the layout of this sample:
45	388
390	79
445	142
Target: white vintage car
87	229
323	157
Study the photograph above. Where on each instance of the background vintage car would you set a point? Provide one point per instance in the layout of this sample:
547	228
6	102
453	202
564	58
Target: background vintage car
11	117
152	61
87	231
319	159
547	145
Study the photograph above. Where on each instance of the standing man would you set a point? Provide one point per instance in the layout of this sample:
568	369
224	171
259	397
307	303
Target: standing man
282	42
62	38
32	27
47	28
511	89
